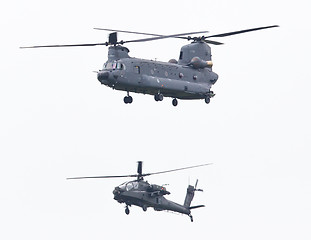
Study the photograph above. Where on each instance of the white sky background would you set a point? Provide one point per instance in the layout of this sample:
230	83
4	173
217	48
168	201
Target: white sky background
57	121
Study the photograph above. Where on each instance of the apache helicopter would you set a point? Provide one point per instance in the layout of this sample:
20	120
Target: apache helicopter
191	77
143	194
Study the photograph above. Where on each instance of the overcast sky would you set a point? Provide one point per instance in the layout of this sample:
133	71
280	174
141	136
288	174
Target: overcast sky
58	121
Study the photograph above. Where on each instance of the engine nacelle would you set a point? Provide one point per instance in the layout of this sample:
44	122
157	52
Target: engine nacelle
197	63
156	189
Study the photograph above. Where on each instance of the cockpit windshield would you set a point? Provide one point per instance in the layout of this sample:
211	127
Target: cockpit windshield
128	186
113	65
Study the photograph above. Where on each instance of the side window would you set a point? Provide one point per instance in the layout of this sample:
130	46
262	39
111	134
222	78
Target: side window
180	56
137	69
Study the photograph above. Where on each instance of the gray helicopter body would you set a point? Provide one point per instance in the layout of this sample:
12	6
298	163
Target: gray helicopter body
191	77
141	193
185	79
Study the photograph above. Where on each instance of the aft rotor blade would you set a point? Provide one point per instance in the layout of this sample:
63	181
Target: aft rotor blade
121	176
68	45
213	42
178	169
241	31
163	37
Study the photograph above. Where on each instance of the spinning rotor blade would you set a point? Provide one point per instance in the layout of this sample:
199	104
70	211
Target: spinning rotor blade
141	33
161	37
68	45
173	170
241	31
212	42
148	34
113	40
121	176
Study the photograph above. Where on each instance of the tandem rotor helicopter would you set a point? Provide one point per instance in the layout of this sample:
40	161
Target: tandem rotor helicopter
191	77
143	194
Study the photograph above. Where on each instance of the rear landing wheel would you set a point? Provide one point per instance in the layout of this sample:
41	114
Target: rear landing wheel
128	99
191	218
144	208
207	100
174	102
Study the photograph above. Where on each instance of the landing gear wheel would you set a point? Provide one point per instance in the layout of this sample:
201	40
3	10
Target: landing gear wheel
128	99
158	97
174	102
125	99
191	218
127	210
207	100
144	208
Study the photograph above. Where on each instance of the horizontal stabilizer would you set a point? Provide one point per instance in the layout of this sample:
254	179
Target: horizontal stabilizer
198	206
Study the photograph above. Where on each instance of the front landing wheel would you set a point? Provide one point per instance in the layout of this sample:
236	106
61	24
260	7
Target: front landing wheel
174	102
207	100
127	211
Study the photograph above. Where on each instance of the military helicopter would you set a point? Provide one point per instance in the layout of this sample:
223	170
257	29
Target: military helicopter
191	77
143	194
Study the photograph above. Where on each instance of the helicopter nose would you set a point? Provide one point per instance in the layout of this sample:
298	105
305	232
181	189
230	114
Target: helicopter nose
116	191
102	76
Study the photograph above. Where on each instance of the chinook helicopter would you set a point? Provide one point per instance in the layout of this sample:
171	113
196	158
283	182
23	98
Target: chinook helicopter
143	194
191	77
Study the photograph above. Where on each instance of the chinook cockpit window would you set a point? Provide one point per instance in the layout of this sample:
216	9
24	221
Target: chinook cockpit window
113	66
120	66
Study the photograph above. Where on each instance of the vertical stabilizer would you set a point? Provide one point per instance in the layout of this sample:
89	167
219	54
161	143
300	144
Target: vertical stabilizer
189	196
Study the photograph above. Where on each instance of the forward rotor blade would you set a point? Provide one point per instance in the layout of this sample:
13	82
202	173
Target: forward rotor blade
121	176
68	45
163	37
141	33
173	170
241	31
